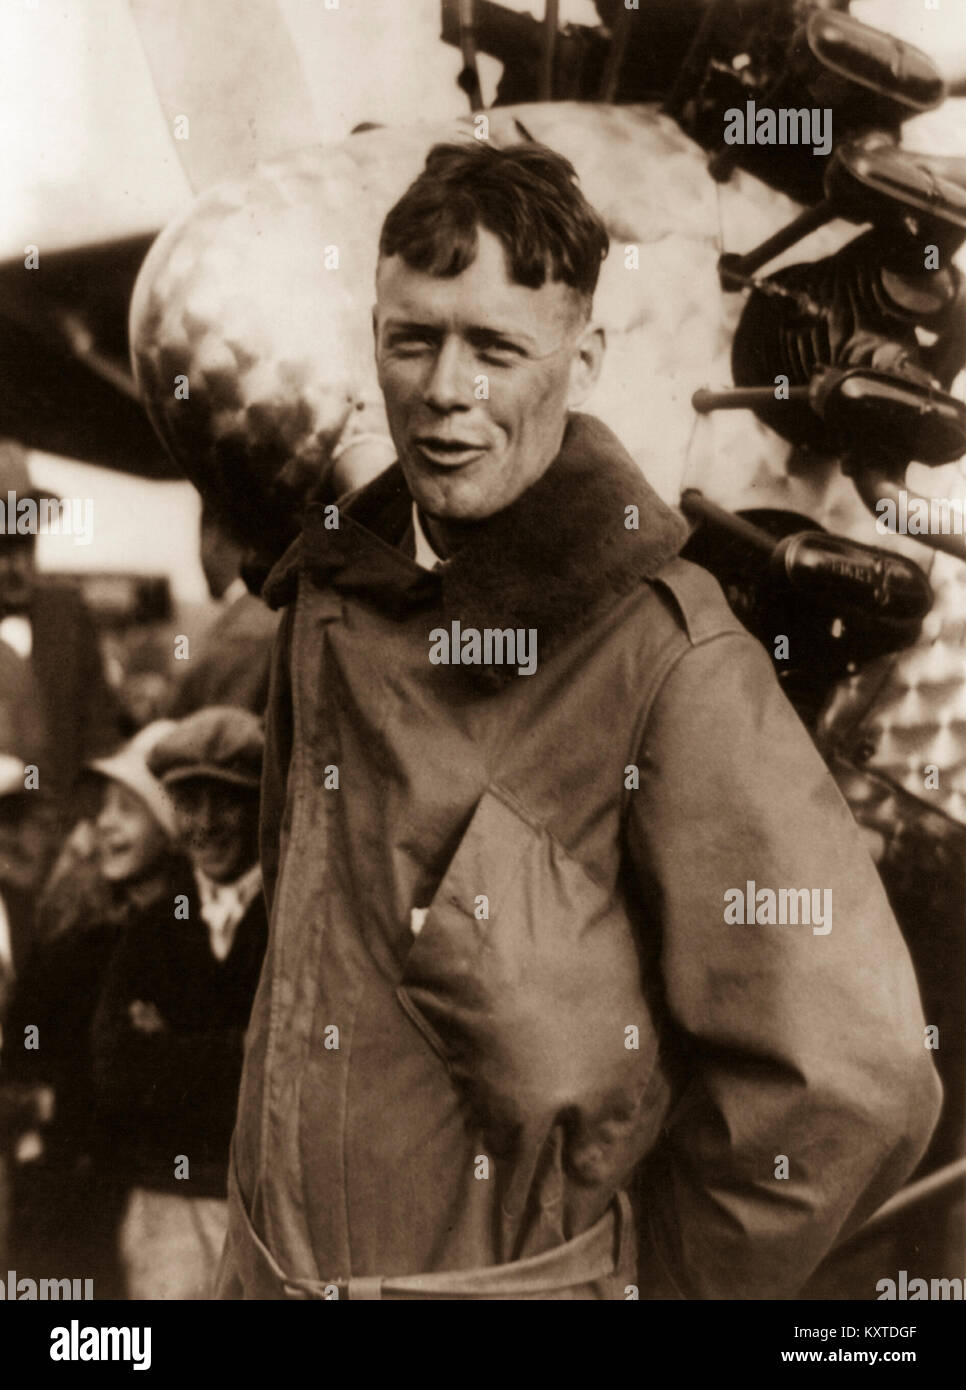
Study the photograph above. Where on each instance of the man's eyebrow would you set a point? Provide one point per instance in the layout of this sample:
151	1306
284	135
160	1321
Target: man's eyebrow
410	326
489	337
480	335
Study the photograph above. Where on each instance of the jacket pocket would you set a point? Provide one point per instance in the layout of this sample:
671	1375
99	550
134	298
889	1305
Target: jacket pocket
526	979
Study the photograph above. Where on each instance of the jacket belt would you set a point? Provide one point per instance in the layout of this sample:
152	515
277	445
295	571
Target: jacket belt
598	1253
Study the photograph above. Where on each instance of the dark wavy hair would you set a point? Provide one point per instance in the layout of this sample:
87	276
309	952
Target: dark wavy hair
527	195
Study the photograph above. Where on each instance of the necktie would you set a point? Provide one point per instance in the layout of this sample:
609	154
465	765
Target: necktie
218	913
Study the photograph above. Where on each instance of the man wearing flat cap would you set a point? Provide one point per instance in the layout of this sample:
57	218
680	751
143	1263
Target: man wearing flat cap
512	1039
170	1024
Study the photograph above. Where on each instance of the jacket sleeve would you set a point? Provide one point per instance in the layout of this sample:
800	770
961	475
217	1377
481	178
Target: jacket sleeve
794	1043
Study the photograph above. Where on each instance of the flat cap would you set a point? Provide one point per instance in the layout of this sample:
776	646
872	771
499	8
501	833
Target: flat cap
221	742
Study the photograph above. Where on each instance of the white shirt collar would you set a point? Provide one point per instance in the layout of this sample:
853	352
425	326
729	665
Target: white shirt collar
17	632
426	556
223	905
236	589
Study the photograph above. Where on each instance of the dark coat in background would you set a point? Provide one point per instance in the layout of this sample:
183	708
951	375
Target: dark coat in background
81	713
175	1092
67	1202
575	1010
65	1208
231	662
58	991
28	818
23	732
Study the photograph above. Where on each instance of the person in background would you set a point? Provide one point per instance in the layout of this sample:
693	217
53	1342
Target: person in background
27	842
66	1206
14	926
25	846
170	1025
26	817
46	623
233	662
12	772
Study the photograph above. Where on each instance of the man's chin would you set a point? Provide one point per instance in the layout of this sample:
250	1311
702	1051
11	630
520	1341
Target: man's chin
219	870
453	501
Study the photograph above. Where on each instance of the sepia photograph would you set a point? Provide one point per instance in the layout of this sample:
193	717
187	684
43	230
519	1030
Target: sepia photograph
483	666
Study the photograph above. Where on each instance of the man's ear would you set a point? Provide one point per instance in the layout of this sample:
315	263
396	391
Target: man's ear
587	363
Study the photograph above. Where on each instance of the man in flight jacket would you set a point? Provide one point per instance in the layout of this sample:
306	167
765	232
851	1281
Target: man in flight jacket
513	1038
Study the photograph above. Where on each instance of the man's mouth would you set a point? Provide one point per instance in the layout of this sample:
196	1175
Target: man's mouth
212	848
446	452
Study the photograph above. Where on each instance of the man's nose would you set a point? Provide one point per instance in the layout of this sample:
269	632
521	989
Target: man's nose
450	384
203	811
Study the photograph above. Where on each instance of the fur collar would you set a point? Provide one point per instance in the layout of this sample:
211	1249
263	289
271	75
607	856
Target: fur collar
553	560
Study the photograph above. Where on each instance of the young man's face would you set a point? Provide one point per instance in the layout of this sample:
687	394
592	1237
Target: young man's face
478	374
217	826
